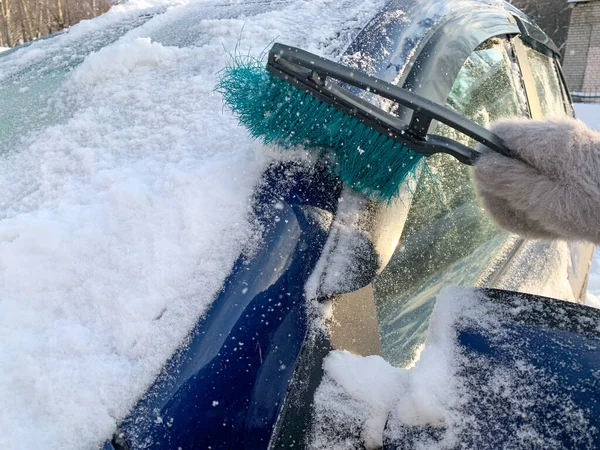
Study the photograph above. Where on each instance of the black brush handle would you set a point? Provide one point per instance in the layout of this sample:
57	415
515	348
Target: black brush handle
309	72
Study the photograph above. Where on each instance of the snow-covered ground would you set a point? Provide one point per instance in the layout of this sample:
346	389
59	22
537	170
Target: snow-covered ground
590	114
124	197
3	49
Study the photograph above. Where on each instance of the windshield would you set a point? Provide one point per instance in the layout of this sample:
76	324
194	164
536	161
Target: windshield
448	239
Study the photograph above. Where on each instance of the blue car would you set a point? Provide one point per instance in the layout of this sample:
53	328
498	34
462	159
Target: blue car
247	374
485	60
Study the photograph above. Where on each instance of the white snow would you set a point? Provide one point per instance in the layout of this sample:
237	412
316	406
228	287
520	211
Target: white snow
3	49
360	393
589	113
374	386
124	205
111	240
442	400
337	268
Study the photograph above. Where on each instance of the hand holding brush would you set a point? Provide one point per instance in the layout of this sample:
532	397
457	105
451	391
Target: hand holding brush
304	100
552	190
536	178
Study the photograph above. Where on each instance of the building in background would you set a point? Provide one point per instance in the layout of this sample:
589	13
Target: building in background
581	62
552	16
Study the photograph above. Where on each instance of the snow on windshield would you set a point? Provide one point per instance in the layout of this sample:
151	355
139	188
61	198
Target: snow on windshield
124	199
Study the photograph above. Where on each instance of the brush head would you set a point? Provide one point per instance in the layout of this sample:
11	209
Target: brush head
280	114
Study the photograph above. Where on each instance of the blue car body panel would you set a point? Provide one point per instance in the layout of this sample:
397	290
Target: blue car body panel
560	385
225	388
533	378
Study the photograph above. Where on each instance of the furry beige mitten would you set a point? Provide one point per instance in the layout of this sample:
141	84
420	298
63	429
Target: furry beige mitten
553	191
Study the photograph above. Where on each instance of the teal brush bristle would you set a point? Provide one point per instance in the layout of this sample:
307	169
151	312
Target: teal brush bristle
278	113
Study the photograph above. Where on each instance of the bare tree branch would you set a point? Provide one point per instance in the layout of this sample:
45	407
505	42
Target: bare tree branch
24	20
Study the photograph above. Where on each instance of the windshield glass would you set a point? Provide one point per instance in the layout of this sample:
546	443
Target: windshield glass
547	84
448	239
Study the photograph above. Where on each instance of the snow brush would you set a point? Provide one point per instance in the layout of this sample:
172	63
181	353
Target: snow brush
302	99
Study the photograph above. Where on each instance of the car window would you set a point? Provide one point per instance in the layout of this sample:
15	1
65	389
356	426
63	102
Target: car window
547	83
448	239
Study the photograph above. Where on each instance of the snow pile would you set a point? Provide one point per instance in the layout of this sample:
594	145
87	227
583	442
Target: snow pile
354	399
358	394
589	113
501	390
125	206
3	49
111	240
